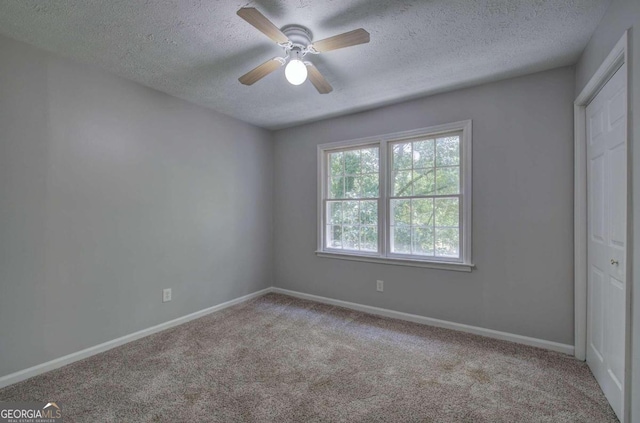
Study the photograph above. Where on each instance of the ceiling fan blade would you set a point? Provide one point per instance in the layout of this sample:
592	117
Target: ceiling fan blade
262	24
318	80
261	71
348	39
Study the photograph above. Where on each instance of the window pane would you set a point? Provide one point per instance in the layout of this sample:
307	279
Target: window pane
402	183
351	186
447	242
334	236
350	212
336	163
368	212
352	162
352	224
447	212
402	156
369	238
424	154
401	212
424	182
351	237
401	240
448	151
369	185
423	241
336	188
369	160
422	212
334	211
447	180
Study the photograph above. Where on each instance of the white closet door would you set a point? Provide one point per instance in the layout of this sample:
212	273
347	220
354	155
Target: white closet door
607	220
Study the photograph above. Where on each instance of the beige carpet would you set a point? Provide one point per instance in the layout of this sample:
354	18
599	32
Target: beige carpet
280	359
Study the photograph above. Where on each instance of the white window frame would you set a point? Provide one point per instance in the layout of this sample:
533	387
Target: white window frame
383	255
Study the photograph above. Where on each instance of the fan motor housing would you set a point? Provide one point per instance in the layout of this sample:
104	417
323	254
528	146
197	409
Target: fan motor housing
298	34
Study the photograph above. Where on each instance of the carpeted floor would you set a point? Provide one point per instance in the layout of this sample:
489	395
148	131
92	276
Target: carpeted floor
281	359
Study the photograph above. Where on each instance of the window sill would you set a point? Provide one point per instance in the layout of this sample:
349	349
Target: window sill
442	265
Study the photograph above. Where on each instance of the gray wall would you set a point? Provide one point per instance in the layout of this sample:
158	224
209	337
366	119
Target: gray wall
522	210
110	192
623	15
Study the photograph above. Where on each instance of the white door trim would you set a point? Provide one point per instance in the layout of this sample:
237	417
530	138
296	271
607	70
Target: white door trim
616	59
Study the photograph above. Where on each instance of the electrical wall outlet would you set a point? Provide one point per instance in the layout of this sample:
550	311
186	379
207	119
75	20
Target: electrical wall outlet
380	286
166	295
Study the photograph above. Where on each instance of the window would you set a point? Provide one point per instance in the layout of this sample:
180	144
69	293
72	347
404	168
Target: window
402	198
353	195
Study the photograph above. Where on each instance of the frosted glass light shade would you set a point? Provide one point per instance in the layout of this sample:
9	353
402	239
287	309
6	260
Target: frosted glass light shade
295	72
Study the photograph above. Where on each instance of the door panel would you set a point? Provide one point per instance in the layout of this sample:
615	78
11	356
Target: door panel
617	106
617	198
616	331
607	230
597	199
596	320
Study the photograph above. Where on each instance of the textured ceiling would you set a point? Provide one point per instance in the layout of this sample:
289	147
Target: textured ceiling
197	49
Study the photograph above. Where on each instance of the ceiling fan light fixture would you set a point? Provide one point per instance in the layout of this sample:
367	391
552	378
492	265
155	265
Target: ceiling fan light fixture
296	42
296	72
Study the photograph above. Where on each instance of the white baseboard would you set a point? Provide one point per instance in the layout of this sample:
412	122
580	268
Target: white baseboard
489	333
79	355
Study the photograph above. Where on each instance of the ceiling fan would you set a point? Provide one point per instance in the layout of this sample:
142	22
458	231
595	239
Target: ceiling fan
296	42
